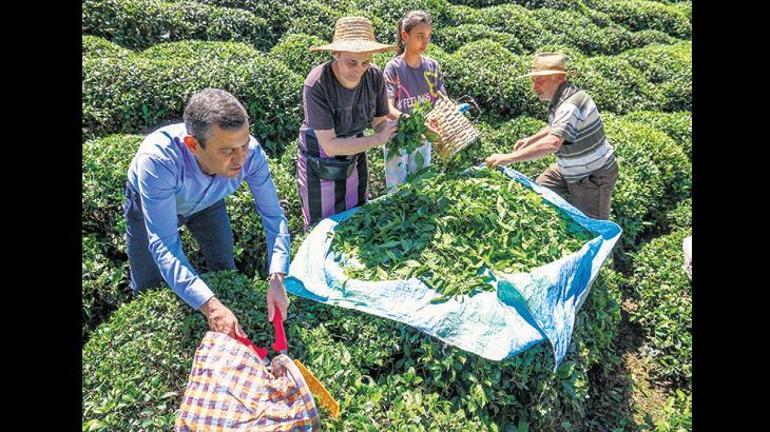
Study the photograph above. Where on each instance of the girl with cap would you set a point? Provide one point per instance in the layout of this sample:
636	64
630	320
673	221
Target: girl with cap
341	98
411	77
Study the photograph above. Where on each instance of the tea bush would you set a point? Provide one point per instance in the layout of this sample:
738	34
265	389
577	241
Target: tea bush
139	24
104	285
642	14
139	93
678	125
664	307
293	50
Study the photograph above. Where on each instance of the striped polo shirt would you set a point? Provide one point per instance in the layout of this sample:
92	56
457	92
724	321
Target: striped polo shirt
573	115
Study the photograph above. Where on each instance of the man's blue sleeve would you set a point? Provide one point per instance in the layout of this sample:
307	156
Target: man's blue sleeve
156	188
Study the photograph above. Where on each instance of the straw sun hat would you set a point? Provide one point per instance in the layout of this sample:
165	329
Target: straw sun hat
354	34
548	64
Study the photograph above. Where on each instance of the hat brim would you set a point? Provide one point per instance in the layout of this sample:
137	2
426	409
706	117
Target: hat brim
355	46
544	73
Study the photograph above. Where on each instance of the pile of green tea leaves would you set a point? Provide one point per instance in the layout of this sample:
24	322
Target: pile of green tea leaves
411	130
446	228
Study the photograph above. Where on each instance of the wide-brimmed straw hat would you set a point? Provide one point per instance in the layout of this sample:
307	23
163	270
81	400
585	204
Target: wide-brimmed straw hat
354	34
548	64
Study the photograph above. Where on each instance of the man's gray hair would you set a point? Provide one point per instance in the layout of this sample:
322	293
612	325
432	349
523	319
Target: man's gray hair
213	106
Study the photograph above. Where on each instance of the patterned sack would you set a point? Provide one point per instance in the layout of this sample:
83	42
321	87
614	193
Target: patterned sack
230	389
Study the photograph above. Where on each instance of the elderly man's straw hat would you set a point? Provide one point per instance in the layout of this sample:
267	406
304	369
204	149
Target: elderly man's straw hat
354	34
548	64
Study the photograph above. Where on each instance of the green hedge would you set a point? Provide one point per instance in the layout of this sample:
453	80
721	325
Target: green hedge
680	216
105	167
104	285
478	3
141	92
461	14
650	37
488	72
685	7
525	31
654	175
615	84
678	125
452	38
315	19
142	23
517	21
641	15
668	156
576	5
385	375
135	365
293	51
664	306
95	46
669	67
390	11
577	30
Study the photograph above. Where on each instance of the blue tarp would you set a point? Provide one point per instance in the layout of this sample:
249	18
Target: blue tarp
525	309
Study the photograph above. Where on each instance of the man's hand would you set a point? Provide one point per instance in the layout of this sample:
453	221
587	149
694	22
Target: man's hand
498	159
220	318
276	296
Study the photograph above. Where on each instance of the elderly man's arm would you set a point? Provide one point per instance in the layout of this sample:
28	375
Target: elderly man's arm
527	141
541	147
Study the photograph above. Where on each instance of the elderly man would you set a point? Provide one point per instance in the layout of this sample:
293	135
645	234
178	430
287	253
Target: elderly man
181	175
585	164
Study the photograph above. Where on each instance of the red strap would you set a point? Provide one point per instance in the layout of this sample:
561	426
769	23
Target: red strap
280	343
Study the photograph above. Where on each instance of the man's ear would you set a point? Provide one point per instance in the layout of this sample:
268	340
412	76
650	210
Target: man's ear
191	143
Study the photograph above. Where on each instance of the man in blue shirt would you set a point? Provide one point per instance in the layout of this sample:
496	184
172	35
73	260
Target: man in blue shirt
181	175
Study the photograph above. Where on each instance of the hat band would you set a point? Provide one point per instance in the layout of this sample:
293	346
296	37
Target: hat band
354	35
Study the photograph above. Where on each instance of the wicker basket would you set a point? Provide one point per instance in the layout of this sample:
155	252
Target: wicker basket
454	129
